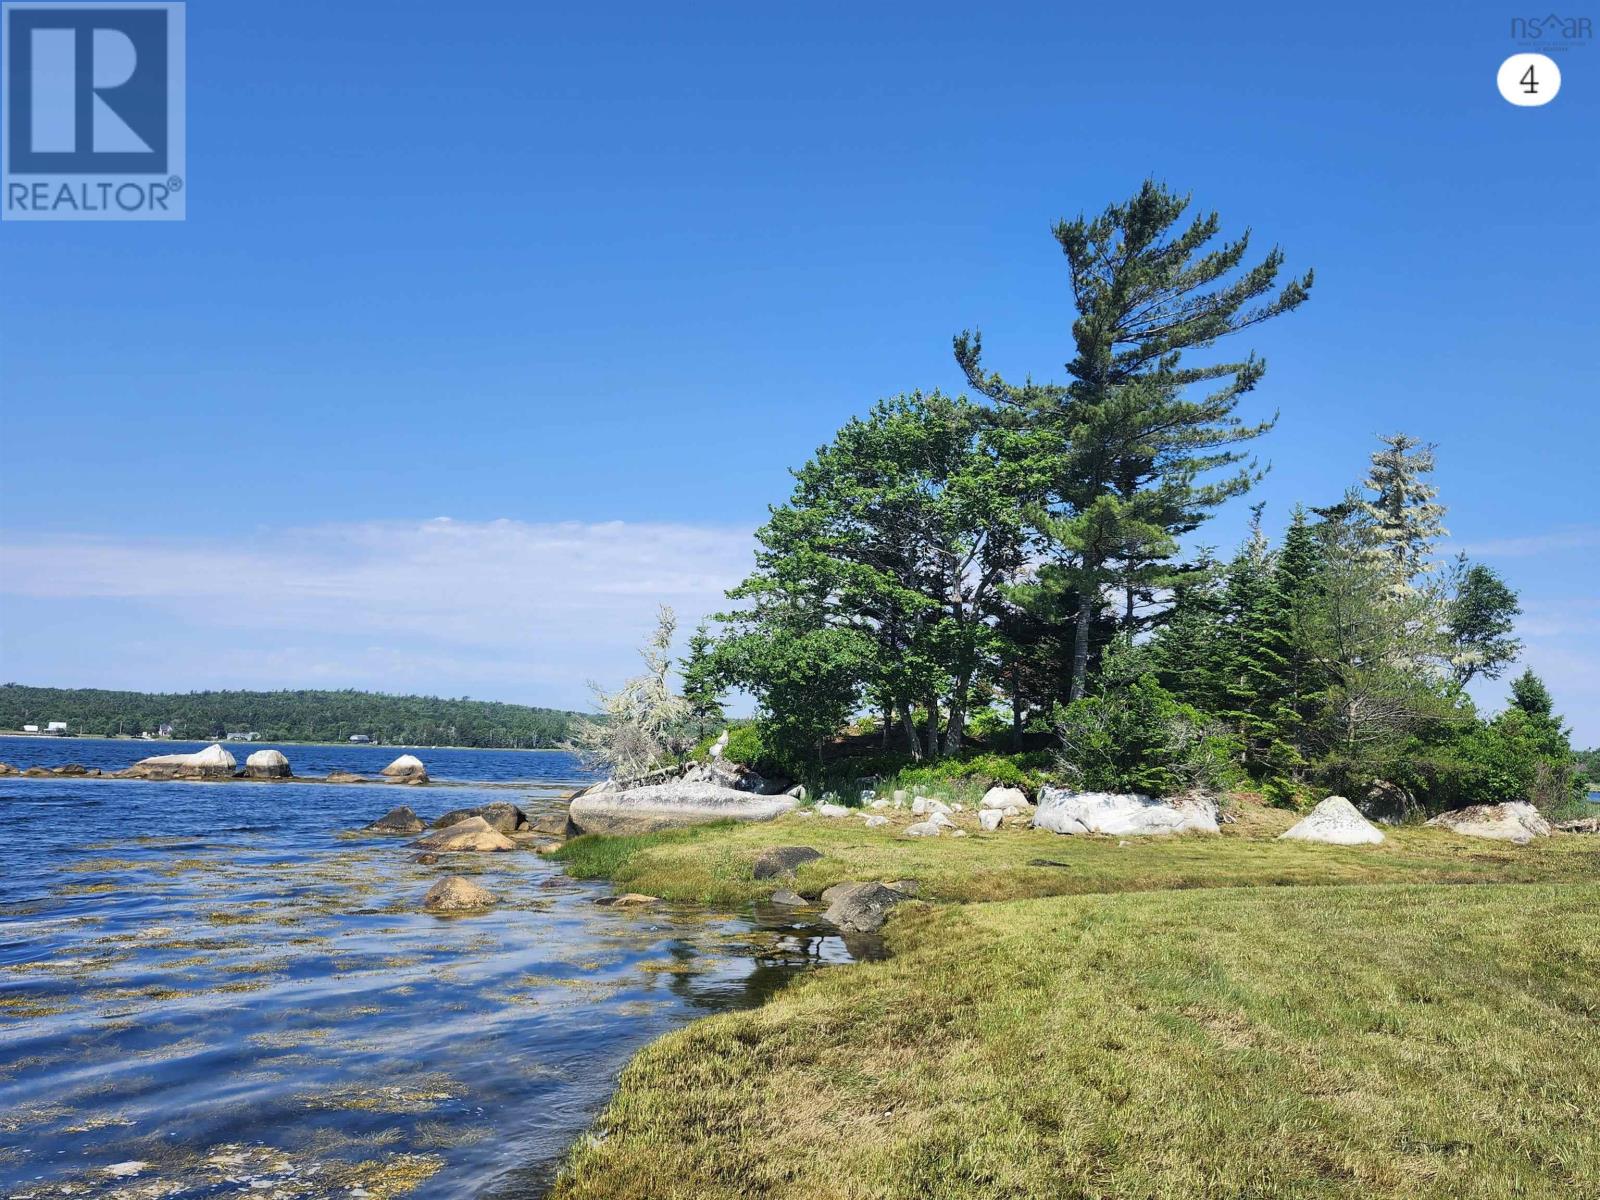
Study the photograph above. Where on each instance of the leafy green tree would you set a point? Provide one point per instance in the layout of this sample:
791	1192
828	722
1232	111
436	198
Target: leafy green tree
1483	613
1128	455
902	531
701	692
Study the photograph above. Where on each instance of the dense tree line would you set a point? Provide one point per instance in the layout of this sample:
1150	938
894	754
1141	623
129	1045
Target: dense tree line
1026	558
288	716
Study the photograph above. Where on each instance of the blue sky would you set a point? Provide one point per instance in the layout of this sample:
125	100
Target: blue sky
494	323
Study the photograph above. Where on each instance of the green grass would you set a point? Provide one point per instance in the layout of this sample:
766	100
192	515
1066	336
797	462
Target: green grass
712	864
1373	1041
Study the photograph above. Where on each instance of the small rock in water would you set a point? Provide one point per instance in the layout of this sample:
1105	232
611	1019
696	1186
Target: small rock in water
397	820
407	766
472	834
789	899
628	900
456	894
862	907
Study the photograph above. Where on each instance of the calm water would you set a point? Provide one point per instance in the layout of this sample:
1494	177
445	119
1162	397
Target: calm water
213	989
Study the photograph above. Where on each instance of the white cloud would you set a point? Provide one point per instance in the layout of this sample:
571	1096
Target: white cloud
514	609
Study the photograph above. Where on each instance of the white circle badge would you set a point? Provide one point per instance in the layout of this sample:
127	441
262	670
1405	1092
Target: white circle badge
1529	80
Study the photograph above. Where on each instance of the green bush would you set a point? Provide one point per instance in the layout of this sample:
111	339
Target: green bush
1141	739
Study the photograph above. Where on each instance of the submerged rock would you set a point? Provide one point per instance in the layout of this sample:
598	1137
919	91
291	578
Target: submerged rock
502	816
862	907
781	860
1517	822
456	894
397	820
7	769
556	824
671	806
1337	822
1123	813
267	764
628	900
472	834
345	777
407	767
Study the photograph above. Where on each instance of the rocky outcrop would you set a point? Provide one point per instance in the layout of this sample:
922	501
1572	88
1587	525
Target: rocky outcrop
674	805
861	907
472	834
1581	825
553	824
781	860
502	816
1122	813
407	768
1336	822
396	820
1516	822
267	764
211	763
345	777
7	769
456	894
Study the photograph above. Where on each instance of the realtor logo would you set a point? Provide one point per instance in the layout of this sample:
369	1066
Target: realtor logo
93	127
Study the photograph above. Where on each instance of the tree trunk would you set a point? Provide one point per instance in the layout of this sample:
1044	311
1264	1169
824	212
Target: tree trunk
888	724
913	746
956	729
1016	716
1080	646
932	734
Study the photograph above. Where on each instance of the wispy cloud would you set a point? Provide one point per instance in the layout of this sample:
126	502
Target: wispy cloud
434	605
1555	541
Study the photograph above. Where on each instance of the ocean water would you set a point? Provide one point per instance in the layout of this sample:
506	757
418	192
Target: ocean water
212	989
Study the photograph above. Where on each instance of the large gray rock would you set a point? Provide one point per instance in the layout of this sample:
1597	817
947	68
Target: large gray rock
396	820
472	834
456	894
502	816
1123	814
267	764
722	773
780	860
1515	822
861	907
211	763
675	805
1337	822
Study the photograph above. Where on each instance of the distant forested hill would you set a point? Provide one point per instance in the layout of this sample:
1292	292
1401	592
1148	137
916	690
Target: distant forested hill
296	716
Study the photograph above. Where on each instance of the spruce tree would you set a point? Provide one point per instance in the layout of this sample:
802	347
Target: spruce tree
1405	518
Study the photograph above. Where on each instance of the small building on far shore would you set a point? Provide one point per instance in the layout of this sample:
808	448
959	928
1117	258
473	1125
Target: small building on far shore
59	728
360	739
30	729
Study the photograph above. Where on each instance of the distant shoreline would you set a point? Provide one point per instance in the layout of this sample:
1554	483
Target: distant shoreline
266	743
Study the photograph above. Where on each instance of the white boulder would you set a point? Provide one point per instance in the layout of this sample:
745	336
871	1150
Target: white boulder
267	764
1337	822
989	819
1517	822
1122	813
672	806
1003	798
922	829
407	766
824	809
942	821
875	822
211	763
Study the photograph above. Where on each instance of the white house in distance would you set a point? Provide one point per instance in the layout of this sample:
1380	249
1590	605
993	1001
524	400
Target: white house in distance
30	729
56	727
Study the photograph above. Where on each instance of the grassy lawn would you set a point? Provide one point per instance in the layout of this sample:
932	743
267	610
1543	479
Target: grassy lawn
1404	1041
712	864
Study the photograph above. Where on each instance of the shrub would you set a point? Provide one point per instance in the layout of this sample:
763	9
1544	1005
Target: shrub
1141	739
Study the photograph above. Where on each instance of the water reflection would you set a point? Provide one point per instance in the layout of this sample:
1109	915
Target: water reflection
208	988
